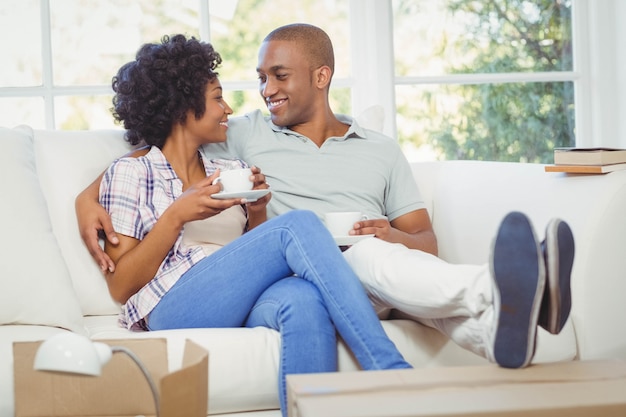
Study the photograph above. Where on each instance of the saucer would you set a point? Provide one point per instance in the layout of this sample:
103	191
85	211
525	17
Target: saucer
350	240
251	195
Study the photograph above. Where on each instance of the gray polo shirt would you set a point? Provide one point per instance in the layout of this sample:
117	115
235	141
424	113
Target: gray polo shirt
361	171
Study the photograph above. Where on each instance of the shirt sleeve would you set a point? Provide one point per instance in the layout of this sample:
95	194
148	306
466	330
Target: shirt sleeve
121	196
403	195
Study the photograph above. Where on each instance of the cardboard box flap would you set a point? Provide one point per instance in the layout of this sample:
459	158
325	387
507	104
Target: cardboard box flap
582	399
568	389
120	391
458	376
185	392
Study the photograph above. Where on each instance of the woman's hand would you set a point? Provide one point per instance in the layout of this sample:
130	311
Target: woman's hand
196	202
93	219
257	212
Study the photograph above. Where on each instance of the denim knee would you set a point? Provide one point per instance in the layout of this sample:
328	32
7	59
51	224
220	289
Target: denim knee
303	221
302	216
300	306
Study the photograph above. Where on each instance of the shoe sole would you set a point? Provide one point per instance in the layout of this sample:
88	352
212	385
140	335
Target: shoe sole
519	276
559	258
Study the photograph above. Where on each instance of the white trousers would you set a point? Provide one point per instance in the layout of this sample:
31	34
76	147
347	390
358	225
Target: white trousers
456	299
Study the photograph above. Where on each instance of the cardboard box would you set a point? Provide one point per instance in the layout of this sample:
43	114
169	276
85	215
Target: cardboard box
571	389
121	390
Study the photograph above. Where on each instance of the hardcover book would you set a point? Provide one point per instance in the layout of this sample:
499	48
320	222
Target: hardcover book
589	156
585	169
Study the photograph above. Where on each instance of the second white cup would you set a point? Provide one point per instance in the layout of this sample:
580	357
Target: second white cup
340	223
235	180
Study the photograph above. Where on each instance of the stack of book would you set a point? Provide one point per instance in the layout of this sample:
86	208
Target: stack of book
588	160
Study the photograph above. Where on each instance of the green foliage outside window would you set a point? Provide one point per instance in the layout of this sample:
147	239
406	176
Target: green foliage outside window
507	121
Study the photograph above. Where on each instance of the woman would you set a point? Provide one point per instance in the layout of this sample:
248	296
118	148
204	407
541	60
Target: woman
185	259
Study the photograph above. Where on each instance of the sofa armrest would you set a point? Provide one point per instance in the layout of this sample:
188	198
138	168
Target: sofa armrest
469	199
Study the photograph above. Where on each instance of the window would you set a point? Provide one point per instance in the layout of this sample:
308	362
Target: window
60	71
484	80
63	64
459	79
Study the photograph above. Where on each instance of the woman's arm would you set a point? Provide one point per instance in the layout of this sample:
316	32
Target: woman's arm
94	219
137	261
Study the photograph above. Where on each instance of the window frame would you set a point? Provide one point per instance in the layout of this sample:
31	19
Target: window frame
375	84
373	81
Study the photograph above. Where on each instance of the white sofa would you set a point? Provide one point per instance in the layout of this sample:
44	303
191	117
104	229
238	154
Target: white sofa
49	282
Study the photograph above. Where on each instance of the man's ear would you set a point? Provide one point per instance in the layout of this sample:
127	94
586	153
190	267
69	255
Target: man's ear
323	75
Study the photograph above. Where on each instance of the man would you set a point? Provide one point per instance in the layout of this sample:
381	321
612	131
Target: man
317	160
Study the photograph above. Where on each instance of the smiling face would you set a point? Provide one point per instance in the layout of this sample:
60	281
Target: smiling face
212	125
286	83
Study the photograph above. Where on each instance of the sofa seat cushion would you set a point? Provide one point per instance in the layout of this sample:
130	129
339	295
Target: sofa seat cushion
243	362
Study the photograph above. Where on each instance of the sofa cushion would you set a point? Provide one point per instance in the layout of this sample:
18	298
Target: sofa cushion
243	362
372	118
85	155
35	282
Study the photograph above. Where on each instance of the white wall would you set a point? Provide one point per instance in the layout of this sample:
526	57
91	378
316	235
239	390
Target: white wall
620	80
607	73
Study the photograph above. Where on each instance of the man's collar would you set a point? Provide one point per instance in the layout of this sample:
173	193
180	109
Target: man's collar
354	130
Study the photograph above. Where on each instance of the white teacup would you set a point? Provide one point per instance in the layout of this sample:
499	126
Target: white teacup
235	180
340	223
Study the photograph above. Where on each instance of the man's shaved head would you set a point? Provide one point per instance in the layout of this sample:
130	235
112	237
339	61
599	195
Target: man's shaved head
314	42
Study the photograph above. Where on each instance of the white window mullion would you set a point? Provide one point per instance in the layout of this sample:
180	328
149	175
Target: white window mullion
582	64
46	60
491	78
373	59
204	23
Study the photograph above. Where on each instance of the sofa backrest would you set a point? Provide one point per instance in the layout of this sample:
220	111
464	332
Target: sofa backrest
67	162
36	288
466	201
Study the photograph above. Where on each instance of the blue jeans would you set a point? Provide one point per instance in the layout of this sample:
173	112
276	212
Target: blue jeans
289	275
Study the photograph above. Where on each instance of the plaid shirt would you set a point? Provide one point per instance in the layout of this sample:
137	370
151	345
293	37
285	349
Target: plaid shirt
136	192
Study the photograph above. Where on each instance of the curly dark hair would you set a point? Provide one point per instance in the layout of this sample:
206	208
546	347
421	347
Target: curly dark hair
158	88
